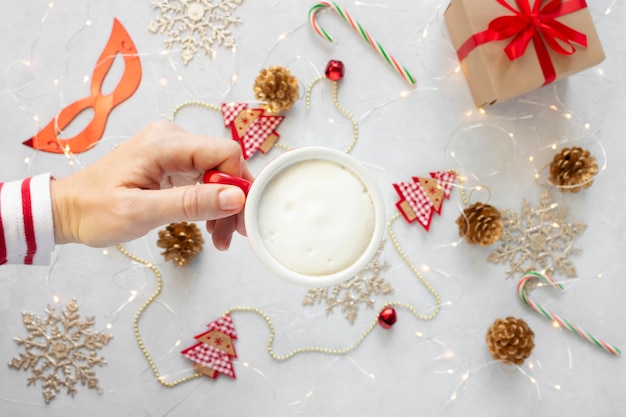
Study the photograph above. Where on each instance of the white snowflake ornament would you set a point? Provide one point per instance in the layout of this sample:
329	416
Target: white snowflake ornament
196	25
60	351
538	239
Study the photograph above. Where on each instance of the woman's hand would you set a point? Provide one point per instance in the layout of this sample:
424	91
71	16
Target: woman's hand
148	181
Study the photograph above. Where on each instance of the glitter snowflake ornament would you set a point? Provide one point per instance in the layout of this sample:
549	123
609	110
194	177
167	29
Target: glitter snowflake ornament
349	296
196	25
538	239
60	351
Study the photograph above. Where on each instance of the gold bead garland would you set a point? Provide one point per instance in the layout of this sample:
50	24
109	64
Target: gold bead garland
416	272
192	103
213	107
270	342
138	315
346	113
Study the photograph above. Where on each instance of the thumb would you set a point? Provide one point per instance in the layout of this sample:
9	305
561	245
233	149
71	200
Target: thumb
191	203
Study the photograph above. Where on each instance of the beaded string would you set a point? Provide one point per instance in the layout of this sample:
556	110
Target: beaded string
416	272
193	103
413	268
138	315
464	198
270	342
338	106
318	349
346	113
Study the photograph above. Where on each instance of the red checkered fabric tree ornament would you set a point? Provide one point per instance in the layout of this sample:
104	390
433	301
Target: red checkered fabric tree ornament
215	349
424	196
254	129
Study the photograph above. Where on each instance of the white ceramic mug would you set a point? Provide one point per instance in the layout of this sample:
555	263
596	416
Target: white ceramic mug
314	216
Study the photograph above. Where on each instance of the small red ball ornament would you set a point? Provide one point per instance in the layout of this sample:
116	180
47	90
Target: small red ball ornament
387	317
334	70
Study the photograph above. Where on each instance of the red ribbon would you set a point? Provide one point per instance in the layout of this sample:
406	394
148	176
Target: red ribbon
538	25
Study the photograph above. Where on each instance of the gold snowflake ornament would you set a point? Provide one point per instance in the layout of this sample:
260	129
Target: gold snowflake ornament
196	25
60	351
538	239
351	294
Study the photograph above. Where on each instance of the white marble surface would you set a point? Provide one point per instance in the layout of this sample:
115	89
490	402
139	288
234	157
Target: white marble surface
440	367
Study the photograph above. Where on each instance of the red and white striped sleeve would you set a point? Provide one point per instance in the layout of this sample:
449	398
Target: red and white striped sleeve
26	222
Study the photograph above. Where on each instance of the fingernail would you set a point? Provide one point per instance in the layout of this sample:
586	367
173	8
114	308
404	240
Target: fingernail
230	198
222	246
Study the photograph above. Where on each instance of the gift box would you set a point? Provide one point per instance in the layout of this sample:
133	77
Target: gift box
510	47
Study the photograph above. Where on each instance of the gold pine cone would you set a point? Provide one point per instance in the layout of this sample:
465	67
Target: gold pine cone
182	242
480	224
276	88
510	340
573	169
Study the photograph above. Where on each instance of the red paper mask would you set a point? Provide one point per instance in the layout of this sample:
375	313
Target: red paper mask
47	139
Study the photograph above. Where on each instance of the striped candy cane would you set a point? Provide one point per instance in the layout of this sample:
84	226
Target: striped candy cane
404	73
523	293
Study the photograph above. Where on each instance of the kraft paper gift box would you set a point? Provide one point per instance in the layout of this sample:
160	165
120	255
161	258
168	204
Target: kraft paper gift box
510	47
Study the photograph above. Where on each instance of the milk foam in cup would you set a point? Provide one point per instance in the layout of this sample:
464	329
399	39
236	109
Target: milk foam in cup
315	216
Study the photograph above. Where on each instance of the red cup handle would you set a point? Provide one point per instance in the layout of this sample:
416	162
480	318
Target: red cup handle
218	177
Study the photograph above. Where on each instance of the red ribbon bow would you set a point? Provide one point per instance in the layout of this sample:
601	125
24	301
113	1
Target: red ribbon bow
537	24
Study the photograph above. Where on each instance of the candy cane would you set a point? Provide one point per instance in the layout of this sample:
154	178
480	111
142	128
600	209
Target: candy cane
523	293
404	73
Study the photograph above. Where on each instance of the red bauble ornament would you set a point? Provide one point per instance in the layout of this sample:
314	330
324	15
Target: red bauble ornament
387	317
334	70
